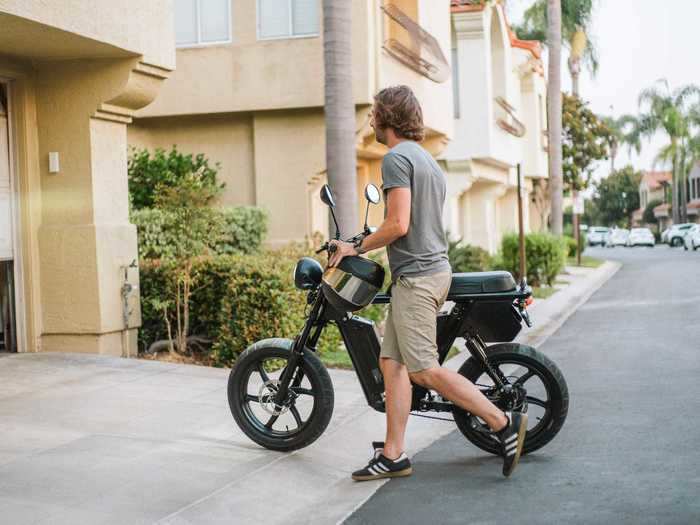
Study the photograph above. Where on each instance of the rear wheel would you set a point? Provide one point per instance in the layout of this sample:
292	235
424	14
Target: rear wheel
252	386
539	389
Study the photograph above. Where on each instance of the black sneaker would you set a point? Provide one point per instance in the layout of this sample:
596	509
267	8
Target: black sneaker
512	438
382	467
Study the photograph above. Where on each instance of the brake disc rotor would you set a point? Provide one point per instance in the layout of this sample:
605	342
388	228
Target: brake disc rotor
266	395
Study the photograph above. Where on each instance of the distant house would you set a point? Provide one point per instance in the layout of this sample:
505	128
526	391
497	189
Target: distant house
693	192
653	186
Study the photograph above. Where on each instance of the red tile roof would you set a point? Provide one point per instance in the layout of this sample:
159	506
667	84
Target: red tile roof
694	204
654	179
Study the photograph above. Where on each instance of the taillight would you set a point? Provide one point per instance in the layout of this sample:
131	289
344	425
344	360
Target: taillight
529	301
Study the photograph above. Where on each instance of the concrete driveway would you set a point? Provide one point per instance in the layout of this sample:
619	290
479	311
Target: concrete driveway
100	440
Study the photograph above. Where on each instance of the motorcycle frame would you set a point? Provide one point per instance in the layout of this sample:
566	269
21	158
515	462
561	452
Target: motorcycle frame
456	323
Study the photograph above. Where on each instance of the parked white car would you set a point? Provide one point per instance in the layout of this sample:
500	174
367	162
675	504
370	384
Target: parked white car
617	237
596	235
691	241
641	237
677	233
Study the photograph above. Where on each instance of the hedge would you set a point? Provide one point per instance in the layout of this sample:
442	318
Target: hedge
545	256
243	231
468	258
237	300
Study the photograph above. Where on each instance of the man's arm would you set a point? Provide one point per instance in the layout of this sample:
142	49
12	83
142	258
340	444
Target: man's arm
395	225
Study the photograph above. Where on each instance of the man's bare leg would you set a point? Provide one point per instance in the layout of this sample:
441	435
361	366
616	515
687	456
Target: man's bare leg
398	405
462	393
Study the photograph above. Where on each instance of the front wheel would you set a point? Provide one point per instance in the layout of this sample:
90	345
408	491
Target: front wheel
538	388
252	386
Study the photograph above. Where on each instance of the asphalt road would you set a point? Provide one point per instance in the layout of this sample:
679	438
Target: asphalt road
629	451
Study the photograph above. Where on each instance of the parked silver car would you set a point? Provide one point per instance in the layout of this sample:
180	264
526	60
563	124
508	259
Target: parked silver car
691	241
641	237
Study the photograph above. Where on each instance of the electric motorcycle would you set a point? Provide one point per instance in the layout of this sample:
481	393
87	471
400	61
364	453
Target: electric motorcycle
281	395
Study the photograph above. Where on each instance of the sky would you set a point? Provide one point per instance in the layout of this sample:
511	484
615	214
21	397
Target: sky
638	42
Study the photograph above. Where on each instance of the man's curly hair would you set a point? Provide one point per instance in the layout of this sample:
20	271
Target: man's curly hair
398	108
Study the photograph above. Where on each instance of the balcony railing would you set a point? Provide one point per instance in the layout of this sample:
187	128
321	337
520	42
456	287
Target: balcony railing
422	54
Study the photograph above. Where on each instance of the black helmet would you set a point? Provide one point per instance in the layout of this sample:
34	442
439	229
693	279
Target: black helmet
352	284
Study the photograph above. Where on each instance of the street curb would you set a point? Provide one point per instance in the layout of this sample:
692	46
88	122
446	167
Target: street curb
573	297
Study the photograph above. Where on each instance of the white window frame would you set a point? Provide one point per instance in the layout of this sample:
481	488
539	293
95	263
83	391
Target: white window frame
291	25
199	42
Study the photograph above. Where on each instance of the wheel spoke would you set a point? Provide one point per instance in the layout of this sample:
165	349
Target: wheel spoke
303	391
263	374
297	416
271	422
522	379
538	402
250	398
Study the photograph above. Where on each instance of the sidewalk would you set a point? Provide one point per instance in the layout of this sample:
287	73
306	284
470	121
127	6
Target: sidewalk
91	439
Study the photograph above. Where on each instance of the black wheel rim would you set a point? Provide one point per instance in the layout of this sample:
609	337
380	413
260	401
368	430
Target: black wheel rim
257	392
534	394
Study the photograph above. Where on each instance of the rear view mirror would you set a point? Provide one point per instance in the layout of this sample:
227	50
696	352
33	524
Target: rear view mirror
372	194
327	196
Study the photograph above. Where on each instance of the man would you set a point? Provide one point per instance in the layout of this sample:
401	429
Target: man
414	193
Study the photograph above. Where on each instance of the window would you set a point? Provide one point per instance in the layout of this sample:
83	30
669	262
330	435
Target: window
287	18
200	22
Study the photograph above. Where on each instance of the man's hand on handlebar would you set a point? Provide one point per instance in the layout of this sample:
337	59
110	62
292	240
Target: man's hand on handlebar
339	249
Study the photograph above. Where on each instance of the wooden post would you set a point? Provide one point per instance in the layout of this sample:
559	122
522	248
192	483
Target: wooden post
577	232
521	227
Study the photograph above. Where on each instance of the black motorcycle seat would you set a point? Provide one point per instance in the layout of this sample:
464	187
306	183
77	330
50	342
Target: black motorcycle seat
481	282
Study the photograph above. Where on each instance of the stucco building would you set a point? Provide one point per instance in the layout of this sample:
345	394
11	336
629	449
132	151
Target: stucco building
248	93
500	122
71	76
654	186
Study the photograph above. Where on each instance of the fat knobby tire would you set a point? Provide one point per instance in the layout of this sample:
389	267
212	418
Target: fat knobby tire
321	385
556	384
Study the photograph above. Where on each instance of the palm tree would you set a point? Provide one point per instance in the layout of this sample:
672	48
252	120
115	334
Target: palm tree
671	113
576	19
554	117
550	21
340	111
622	129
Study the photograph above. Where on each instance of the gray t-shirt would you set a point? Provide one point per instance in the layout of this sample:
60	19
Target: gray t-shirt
423	250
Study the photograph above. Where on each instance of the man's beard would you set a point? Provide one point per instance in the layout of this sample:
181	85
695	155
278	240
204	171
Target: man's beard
380	136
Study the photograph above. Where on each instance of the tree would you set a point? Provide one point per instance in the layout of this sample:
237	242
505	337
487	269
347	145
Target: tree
550	21
622	129
617	196
669	112
585	140
648	216
554	115
340	111
576	21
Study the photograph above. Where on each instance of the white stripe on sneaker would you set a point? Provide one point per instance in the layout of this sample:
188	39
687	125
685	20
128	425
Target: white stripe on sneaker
511	438
511	452
373	471
512	445
381	466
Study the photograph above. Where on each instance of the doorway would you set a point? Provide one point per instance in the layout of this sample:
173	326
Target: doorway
8	312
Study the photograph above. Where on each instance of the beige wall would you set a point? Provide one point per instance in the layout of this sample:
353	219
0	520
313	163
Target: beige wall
83	29
226	139
74	234
250	74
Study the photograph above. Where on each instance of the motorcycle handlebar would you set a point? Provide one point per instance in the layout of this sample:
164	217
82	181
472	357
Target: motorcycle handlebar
330	248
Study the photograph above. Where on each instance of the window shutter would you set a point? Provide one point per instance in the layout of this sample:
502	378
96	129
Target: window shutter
305	17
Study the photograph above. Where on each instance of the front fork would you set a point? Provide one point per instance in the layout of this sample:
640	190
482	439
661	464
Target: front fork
293	373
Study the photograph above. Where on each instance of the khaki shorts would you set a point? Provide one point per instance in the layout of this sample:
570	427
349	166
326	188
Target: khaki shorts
410	336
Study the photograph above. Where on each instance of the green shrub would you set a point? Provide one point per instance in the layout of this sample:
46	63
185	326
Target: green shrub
150	173
571	245
545	257
238	300
242	230
467	258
